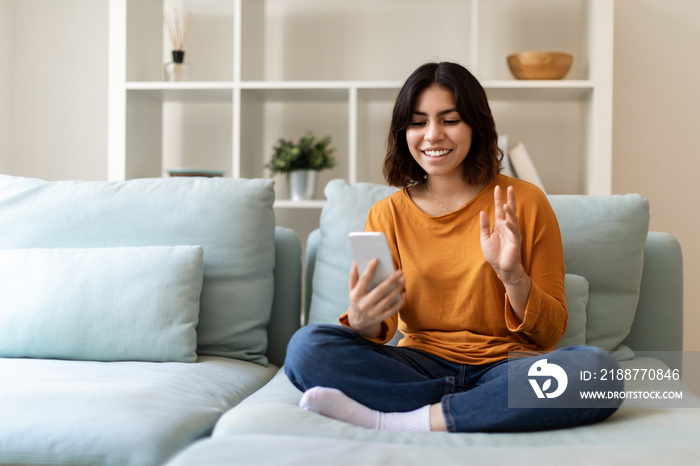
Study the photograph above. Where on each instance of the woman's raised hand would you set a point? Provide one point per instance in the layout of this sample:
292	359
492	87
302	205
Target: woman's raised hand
501	246
368	309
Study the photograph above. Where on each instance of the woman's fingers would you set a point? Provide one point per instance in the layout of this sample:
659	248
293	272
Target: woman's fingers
354	276
510	194
388	285
511	213
485	225
366	278
385	294
498	201
393	305
390	288
377	300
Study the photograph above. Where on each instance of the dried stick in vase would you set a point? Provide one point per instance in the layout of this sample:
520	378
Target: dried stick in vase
175	33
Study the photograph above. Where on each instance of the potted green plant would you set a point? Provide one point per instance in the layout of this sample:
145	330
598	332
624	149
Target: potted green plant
301	161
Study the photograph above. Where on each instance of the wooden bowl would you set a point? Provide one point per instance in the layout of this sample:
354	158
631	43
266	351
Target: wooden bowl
540	65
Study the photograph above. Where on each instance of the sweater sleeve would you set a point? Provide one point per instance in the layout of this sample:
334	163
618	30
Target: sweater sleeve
379	218
542	257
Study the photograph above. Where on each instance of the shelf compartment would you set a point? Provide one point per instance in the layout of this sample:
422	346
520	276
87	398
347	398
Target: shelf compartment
197	135
517	26
553	133
163	134
209	44
273	113
374	109
308	39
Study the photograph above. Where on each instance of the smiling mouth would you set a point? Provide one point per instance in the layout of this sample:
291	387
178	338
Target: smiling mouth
437	153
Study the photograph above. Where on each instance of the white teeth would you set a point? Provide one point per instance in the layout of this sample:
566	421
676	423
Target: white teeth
435	153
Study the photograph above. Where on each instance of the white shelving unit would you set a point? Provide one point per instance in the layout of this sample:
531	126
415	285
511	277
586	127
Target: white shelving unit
264	69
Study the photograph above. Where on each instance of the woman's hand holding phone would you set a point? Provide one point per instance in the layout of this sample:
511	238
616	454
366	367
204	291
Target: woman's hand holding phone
368	309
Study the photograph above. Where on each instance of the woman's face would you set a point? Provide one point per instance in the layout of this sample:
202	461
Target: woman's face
437	137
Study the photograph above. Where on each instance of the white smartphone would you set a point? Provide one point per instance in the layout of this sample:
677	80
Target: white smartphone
367	245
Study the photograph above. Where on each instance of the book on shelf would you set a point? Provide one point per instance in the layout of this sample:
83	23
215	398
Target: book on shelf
523	165
518	163
506	166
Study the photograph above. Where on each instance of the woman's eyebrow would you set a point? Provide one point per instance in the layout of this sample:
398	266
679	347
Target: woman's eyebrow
444	112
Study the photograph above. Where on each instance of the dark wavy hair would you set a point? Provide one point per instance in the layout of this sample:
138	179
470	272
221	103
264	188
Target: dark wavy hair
483	161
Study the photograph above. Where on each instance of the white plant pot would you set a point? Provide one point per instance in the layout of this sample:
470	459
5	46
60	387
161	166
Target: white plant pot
302	184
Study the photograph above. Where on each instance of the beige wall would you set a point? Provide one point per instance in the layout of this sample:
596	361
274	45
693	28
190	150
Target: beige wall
60	89
656	136
7	52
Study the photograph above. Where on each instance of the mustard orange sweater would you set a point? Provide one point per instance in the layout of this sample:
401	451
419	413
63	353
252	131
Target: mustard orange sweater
456	307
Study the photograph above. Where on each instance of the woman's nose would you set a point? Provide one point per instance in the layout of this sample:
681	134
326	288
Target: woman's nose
433	133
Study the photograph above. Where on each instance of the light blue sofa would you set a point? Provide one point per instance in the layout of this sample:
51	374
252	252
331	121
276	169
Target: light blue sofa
624	294
175	357
134	314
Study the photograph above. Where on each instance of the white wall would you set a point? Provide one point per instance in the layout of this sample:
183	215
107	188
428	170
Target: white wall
60	89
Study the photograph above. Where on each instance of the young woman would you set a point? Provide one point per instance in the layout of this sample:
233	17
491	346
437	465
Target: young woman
478	279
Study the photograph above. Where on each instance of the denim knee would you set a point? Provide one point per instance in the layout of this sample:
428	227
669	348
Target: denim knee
582	357
591	356
593	360
304	353
297	349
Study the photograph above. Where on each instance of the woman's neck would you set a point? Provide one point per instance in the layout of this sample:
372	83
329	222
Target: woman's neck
439	196
446	187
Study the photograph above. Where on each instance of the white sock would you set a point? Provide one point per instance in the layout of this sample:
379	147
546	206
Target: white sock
335	404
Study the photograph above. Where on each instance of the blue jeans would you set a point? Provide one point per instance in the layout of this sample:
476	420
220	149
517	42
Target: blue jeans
475	398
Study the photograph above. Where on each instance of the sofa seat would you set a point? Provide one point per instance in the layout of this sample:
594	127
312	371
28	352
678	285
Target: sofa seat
116	413
634	431
292	450
274	410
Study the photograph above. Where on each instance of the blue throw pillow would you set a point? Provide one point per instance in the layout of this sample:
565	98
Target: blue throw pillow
603	239
101	304
345	211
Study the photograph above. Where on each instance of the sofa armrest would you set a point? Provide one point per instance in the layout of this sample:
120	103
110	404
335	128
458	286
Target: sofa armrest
285	318
658	322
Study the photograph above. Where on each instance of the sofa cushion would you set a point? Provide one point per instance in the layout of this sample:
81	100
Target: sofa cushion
603	239
115	413
232	219
295	450
346	211
576	288
103	304
274	409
